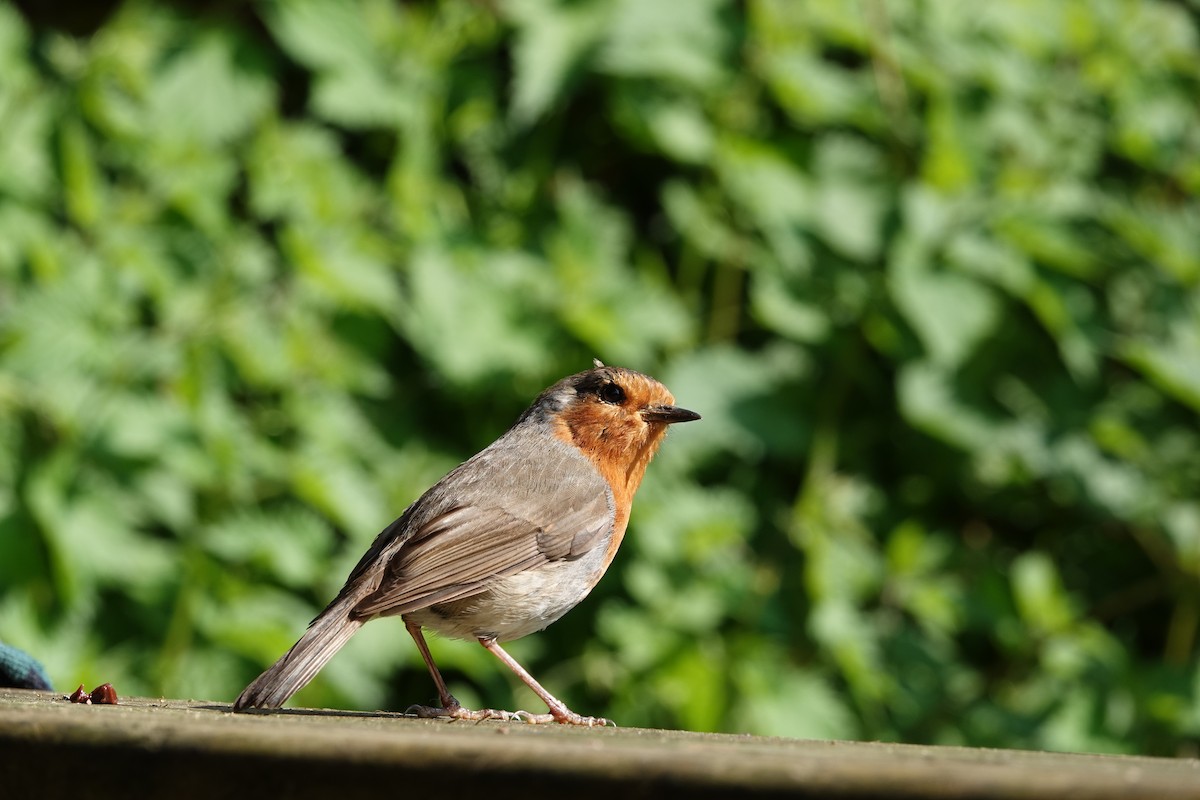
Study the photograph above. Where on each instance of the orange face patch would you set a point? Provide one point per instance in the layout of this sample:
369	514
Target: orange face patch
616	437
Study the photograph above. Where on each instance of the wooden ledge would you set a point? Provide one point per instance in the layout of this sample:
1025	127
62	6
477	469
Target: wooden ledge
50	748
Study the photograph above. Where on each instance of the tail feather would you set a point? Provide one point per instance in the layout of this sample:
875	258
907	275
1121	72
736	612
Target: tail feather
324	637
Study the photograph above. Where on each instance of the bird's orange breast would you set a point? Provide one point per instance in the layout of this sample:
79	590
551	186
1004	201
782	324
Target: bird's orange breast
620	458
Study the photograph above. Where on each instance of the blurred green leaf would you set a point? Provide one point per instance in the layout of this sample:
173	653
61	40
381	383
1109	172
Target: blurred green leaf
207	95
1039	594
552	42
291	545
452	316
1173	364
662	40
798	704
950	313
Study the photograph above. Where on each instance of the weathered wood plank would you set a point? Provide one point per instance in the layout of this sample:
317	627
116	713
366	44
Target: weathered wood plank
183	749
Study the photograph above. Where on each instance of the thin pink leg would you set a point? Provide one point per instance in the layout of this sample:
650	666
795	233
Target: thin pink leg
444	695
558	709
450	707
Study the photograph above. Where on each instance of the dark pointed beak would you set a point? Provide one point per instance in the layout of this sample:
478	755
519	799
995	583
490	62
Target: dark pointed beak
668	414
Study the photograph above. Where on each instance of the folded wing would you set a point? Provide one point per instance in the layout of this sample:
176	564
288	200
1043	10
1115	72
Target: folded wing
461	551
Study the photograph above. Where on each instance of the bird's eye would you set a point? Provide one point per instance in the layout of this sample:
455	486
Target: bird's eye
611	393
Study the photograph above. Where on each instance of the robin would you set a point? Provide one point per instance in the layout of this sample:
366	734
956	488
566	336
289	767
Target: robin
506	543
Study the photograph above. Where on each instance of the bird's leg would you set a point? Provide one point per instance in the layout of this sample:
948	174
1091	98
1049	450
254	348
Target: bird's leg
447	699
450	706
558	709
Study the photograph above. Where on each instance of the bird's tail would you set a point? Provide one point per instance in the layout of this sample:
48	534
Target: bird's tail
324	637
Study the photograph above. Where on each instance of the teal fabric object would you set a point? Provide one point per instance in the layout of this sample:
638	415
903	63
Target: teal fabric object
19	670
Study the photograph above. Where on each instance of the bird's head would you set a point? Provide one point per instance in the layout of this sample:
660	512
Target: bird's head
615	416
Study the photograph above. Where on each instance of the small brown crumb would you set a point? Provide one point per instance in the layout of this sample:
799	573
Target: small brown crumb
104	695
79	696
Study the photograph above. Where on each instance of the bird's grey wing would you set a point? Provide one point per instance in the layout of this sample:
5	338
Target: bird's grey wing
459	552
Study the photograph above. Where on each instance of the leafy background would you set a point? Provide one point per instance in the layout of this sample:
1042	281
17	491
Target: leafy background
928	269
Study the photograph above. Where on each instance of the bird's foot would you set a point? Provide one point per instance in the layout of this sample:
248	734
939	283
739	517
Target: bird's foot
453	711
456	711
563	717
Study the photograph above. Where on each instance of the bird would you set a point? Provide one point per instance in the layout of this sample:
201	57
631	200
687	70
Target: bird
506	543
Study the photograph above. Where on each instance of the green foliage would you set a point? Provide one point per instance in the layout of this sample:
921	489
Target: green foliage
929	270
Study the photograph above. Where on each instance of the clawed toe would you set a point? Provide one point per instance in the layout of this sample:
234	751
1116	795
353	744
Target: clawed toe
591	722
456	712
564	717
